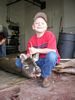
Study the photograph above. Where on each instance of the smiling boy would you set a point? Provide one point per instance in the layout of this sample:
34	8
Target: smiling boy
43	42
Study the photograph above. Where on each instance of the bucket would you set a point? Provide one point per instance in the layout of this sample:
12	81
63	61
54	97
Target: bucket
66	45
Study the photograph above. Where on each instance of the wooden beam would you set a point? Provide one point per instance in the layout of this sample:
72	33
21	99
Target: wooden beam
13	2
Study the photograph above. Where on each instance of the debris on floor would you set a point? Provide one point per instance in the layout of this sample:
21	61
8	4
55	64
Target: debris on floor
66	67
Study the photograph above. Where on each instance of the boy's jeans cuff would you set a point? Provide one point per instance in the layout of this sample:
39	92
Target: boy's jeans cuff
18	63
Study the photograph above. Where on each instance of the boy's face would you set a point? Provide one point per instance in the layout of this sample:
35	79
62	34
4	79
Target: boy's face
39	25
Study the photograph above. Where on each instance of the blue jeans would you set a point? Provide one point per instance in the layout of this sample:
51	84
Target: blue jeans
2	50
47	64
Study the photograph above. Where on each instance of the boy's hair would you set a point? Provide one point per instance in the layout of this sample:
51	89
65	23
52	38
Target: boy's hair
42	15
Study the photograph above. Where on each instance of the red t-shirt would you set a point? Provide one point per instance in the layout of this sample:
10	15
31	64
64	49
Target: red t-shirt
48	40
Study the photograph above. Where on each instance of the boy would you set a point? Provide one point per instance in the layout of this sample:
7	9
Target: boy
43	43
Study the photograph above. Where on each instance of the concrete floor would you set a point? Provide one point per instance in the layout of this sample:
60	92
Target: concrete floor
63	87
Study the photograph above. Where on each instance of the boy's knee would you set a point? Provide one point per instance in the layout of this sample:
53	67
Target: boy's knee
51	55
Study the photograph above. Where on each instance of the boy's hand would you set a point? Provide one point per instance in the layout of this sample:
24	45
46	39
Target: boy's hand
33	50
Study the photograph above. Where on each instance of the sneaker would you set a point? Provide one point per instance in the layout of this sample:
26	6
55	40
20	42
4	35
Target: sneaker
46	82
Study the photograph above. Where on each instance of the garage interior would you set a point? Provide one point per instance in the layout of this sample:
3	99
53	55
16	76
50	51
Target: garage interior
17	17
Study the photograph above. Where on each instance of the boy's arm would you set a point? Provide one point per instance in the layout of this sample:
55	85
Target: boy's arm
38	50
